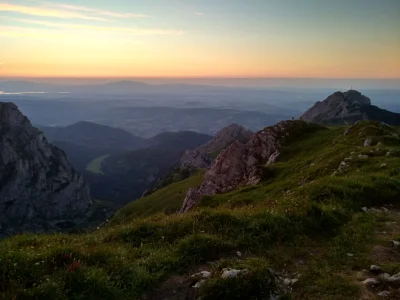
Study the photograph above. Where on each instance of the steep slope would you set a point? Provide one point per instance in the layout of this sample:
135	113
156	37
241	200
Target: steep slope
166	200
125	176
241	164
84	141
348	107
305	231
204	155
39	190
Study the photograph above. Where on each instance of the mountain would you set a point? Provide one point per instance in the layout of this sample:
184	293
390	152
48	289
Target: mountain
84	141
94	135
348	107
242	164
124	176
39	189
202	156
321	223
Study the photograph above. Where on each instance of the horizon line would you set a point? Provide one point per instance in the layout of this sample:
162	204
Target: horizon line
196	77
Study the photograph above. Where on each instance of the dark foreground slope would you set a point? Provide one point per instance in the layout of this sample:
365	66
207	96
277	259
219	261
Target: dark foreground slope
300	232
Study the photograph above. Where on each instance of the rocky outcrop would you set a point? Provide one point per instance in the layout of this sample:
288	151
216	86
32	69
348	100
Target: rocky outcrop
39	190
348	108
203	156
242	164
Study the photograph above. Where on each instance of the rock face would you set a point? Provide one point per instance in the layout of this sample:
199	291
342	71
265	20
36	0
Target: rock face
242	164
348	107
39	190
203	156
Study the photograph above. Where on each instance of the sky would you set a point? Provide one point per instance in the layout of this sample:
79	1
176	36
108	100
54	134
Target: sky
200	38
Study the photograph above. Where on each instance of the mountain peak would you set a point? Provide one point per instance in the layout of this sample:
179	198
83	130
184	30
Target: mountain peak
348	107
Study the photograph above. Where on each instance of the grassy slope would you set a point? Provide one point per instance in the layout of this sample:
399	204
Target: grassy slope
166	200
300	219
95	165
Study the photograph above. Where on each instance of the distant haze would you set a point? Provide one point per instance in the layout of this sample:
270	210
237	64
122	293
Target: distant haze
312	83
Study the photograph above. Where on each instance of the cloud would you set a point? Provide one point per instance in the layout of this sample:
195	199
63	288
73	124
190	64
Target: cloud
96	11
126	30
47	12
197	13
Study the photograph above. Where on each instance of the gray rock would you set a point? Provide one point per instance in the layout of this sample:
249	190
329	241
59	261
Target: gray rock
367	142
363	156
199	284
396	243
40	191
371	281
202	274
383	165
202	156
290	282
384	294
347	131
232	273
242	164
375	269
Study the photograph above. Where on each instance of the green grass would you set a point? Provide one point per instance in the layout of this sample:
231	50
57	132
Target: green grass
167	200
95	165
298	212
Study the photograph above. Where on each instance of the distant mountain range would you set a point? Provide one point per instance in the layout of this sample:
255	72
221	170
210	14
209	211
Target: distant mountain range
117	87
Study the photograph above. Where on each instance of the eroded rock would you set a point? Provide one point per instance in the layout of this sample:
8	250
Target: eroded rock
242	164
40	191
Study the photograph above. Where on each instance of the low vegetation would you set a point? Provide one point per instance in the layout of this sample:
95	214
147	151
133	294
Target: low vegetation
303	221
95	165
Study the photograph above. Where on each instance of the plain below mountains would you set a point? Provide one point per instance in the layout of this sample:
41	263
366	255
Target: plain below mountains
149	121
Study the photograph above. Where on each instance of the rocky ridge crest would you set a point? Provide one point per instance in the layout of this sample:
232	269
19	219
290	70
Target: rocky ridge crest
202	156
242	164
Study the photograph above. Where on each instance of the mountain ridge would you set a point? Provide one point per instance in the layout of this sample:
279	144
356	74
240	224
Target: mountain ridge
39	190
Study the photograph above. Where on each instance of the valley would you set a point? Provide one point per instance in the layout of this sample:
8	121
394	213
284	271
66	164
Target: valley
296	210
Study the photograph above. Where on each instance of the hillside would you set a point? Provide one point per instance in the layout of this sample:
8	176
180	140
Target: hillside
84	141
307	230
125	176
167	200
39	190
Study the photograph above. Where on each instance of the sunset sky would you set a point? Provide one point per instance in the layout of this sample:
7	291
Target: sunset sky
195	38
